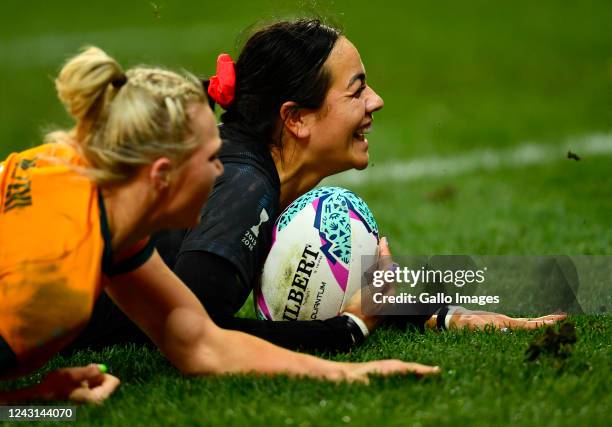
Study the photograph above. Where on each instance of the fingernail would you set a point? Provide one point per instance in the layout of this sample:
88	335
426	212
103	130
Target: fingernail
103	368
386	240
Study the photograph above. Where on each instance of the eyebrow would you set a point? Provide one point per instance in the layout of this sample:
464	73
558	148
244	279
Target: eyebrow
360	76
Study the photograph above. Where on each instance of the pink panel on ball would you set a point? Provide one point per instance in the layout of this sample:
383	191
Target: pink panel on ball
340	273
354	215
261	303
274	235
315	203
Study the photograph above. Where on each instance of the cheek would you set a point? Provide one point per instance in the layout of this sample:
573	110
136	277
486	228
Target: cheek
353	117
206	179
343	125
194	191
212	173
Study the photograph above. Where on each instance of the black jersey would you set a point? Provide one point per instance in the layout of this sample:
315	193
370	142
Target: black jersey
221	259
237	220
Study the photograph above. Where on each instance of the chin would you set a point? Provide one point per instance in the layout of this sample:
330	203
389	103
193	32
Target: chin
361	162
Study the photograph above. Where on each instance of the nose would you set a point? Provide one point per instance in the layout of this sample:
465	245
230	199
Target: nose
374	101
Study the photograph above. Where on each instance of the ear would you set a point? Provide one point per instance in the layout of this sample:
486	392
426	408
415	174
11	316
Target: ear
159	174
295	119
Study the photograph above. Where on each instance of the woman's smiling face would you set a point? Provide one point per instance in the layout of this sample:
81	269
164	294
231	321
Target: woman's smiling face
338	131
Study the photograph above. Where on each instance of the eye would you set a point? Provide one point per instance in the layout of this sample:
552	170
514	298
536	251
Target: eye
359	91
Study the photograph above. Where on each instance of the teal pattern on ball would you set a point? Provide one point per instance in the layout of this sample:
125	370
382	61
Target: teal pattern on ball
334	225
332	219
298	204
362	209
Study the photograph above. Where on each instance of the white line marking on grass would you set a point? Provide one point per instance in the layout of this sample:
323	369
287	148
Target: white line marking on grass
488	160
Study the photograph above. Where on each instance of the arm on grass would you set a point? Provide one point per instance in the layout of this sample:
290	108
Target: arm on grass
479	320
461	317
217	284
170	314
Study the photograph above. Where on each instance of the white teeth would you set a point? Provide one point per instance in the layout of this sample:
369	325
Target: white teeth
362	132
365	130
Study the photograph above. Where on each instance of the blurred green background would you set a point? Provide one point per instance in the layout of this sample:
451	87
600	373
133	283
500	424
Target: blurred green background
456	76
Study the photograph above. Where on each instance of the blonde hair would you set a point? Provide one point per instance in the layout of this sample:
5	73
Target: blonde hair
124	120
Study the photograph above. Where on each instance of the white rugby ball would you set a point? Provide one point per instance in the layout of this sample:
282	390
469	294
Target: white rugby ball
314	264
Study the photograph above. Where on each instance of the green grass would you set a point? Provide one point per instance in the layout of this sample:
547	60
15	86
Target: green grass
455	76
560	208
485	381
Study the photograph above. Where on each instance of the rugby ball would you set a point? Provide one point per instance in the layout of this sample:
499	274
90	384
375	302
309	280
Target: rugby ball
314	264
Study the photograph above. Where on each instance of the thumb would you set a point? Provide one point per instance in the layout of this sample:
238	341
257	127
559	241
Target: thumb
383	247
384	254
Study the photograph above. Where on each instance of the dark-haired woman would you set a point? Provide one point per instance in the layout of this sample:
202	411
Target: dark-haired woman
300	111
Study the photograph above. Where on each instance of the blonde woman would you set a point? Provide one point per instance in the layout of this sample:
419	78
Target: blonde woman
75	216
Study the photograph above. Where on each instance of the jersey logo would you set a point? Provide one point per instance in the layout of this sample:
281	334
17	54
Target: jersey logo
250	236
263	217
19	190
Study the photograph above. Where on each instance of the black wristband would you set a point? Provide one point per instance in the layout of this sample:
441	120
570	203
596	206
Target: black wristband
355	331
441	317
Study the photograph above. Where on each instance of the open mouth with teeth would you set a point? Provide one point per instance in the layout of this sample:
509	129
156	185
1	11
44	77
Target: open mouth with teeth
361	133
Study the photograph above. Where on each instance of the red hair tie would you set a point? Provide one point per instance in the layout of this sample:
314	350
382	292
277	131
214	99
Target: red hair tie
222	86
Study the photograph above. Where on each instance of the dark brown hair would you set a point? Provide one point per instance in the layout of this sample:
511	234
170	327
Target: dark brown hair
279	63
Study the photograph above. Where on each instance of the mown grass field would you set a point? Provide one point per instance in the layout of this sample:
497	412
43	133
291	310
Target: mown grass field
456	77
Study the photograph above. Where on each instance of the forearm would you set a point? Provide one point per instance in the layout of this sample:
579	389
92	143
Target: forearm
203	348
331	335
177	323
266	358
217	284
